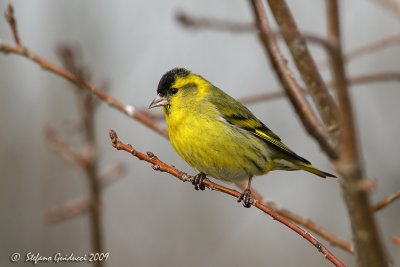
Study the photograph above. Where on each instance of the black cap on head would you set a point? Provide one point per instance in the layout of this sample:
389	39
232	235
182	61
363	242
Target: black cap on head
168	79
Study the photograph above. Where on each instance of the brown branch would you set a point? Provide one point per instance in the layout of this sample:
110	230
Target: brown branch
392	6
70	57
367	48
159	165
189	21
298	99
386	201
276	94
396	240
65	151
372	77
225	25
78	207
9	14
92	175
354	81
305	63
103	95
368	246
305	222
112	174
67	211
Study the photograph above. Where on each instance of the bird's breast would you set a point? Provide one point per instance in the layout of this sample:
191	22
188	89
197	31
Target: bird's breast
212	146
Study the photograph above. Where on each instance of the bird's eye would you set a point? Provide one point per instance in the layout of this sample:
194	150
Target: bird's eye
173	91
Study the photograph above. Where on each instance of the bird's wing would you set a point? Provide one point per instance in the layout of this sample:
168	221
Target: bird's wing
239	116
263	133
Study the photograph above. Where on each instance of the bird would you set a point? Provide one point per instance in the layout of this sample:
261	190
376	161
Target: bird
220	137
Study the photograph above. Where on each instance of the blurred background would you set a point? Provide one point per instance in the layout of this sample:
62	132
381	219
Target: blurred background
150	218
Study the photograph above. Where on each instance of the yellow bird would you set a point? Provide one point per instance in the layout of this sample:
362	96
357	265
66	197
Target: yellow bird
220	137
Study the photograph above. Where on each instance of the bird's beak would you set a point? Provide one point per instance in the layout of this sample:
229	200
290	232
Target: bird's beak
159	101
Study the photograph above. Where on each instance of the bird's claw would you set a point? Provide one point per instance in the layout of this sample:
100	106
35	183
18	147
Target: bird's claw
247	198
197	181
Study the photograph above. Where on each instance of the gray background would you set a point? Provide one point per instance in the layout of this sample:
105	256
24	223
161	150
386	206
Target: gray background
151	219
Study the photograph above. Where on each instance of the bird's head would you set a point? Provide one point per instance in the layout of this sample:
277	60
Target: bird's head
179	86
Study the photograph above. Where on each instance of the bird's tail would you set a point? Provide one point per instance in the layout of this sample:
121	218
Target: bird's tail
312	169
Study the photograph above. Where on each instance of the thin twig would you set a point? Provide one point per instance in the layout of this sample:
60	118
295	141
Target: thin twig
112	174
78	207
13	23
67	153
75	208
368	246
67	211
392	6
224	25
353	81
187	20
333	239
366	49
386	201
396	240
298	99
128	110
159	165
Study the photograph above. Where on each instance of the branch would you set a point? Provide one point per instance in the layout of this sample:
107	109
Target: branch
368	247
302	107
9	14
390	5
65	151
225	25
112	174
197	23
305	64
159	165
367	48
70	57
386	201
67	211
305	222
354	81
78	207
100	93
396	240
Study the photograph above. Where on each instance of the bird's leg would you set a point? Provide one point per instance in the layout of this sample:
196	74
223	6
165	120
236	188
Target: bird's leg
246	196
197	181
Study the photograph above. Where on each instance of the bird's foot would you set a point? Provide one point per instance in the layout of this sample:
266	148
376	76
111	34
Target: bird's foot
247	198
197	181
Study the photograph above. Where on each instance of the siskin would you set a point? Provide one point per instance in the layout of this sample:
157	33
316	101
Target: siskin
220	137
